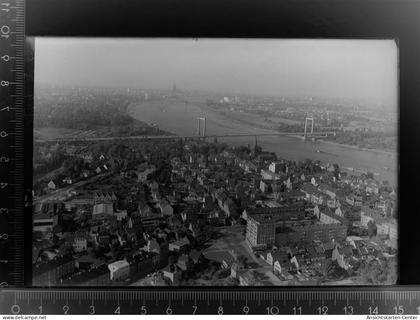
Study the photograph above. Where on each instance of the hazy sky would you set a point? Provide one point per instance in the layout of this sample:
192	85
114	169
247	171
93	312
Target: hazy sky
356	69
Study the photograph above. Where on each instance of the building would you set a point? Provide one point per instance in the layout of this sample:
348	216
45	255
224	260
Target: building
248	278
260	230
265	230
364	220
78	201
119	270
144	209
393	231
86	262
308	189
276	167
368	214
150	222
102	210
179	245
52	272
236	269
280	260
121	215
248	166
79	244
154	187
153	246
318	198
331	192
144	173
141	263
67	180
310	232
339	212
313	194
165	208
265	186
44	222
51	207
229	207
341	254
269	175
281	256
354	200
51	185
388	228
331	218
184	262
372	187
266	156
97	276
294	195
104	197
291	212
172	273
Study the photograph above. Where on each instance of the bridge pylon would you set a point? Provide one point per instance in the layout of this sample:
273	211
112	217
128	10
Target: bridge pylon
307	119
201	126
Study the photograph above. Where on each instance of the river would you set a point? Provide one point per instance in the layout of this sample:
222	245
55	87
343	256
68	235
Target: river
180	117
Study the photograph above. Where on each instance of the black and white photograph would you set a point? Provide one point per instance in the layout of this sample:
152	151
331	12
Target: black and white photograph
215	162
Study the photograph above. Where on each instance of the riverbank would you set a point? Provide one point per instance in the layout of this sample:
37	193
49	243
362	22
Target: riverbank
181	119
258	125
349	146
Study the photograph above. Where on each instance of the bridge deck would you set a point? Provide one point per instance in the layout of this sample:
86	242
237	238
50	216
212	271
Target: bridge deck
292	134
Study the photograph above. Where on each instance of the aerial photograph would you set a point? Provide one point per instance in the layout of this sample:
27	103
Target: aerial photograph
215	162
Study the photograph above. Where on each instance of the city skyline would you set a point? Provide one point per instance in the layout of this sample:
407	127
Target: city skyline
357	70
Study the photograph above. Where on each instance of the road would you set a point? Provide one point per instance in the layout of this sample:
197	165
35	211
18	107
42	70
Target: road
62	193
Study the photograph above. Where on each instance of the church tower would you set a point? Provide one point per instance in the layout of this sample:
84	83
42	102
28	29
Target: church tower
257	149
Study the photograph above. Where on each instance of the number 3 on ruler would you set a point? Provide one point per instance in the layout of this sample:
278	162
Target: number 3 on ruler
6	4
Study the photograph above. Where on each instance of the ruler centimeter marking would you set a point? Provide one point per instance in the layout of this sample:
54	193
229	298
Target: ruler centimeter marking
182	301
399	301
12	96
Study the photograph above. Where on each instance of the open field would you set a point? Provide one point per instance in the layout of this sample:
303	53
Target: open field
232	240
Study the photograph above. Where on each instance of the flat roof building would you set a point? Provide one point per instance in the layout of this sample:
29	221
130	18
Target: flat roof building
281	228
119	270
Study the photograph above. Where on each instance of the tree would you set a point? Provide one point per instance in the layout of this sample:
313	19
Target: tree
336	169
243	260
379	271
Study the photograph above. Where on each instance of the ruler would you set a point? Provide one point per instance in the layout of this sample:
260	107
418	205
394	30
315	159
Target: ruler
12	141
270	301
15	181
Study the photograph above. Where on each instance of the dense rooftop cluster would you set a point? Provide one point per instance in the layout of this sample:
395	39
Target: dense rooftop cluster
200	213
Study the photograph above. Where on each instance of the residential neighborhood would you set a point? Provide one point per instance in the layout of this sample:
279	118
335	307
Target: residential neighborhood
204	213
